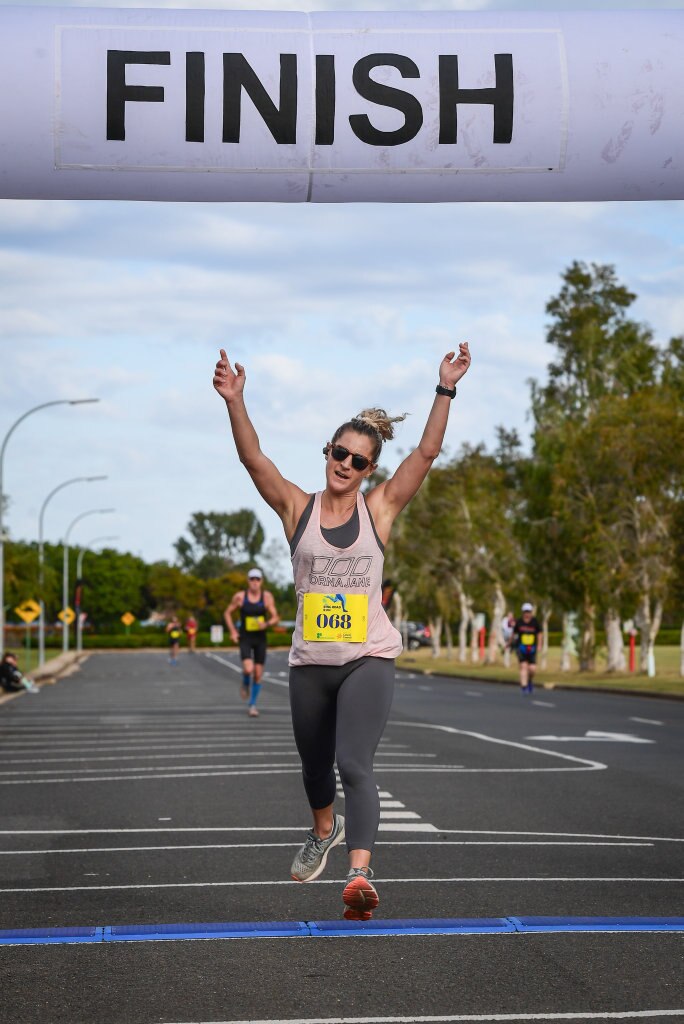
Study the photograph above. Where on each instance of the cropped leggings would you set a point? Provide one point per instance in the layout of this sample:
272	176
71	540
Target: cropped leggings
340	712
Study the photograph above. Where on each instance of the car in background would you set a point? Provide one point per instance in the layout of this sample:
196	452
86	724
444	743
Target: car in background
417	635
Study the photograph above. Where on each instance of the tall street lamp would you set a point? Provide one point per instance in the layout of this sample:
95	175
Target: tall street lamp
65	567
44	405
41	559
79	575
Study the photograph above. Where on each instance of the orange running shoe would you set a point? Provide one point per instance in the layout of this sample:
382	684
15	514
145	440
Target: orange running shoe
359	897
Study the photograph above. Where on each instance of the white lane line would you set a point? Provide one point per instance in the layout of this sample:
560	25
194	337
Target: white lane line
408	826
399	816
472	693
178	745
161	767
543	704
646	721
593	736
235	770
584	763
269	677
264	846
332	881
294	758
281	749
566	835
462	1018
303	827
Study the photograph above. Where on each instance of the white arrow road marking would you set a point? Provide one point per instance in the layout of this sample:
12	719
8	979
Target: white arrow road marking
593	736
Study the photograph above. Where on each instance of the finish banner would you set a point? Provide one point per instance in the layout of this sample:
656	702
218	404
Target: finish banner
431	106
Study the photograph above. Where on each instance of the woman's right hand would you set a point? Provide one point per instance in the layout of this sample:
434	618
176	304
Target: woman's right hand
228	382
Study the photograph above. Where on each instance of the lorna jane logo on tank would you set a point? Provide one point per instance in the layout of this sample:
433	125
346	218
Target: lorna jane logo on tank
246	99
346	572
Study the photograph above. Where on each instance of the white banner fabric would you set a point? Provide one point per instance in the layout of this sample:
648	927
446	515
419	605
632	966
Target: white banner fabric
428	106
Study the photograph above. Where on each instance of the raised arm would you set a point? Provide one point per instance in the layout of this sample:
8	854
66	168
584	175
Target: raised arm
388	499
284	497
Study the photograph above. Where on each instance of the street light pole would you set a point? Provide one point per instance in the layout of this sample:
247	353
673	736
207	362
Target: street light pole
65	572
41	559
79	574
36	408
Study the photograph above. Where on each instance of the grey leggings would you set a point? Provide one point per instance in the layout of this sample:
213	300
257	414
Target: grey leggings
341	711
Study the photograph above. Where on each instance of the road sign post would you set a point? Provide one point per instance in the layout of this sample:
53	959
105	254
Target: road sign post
128	619
27	612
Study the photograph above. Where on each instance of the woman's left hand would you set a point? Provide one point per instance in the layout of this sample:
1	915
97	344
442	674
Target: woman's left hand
451	370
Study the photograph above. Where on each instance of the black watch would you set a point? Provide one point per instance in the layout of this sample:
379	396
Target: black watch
445	391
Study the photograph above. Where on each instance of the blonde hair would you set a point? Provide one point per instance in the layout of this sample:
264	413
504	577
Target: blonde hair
374	423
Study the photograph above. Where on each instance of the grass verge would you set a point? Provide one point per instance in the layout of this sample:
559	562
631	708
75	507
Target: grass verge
667	682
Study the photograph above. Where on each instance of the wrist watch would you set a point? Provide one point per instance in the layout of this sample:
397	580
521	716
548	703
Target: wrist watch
441	390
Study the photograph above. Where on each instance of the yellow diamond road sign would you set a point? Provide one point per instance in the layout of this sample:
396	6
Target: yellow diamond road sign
128	619
67	615
28	610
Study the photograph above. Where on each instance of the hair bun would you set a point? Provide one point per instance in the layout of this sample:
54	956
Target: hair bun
380	421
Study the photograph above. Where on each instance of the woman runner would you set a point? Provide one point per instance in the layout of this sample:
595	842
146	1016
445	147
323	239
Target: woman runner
343	646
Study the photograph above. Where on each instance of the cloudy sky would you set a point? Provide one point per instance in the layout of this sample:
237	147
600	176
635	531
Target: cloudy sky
330	308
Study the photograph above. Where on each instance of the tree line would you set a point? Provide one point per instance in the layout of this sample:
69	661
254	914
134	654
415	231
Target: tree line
589	523
212	560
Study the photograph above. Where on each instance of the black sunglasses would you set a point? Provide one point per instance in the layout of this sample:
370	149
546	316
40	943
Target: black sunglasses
340	453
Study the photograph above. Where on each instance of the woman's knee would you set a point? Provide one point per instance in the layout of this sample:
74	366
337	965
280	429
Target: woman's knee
355	773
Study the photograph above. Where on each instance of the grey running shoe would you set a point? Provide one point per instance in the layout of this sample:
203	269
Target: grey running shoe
310	861
360	896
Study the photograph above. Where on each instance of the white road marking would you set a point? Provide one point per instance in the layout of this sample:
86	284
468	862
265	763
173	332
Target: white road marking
472	693
398	816
282	749
408	826
266	846
461	1018
429	688
238	668
543	704
286	752
167	772
567	835
646	721
593	736
585	764
391	803
302	827
334	881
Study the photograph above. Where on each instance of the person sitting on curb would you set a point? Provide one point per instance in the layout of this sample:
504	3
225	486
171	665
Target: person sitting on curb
11	679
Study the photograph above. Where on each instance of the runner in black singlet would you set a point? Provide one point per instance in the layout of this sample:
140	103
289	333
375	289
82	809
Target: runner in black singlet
257	613
525	639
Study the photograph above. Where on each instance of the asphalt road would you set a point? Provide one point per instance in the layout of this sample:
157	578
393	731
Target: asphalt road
138	793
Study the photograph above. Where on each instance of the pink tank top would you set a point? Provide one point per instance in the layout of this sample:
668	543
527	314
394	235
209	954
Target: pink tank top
321	568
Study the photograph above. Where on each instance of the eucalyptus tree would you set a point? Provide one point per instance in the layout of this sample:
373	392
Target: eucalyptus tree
600	354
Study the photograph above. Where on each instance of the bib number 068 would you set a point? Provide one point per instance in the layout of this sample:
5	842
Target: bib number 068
333	621
342	618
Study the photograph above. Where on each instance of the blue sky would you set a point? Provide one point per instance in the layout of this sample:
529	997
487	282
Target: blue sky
330	308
